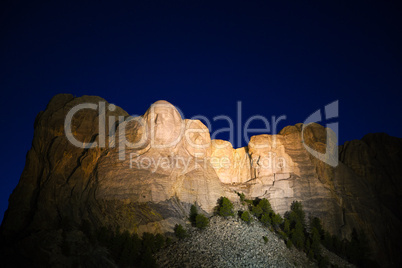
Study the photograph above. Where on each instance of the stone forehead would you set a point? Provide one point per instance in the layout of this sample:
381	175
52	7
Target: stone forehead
162	104
165	106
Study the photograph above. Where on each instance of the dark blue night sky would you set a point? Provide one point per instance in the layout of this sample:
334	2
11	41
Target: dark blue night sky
286	58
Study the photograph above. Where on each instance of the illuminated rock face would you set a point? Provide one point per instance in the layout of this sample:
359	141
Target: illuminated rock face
164	124
231	165
166	166
278	167
274	171
153	167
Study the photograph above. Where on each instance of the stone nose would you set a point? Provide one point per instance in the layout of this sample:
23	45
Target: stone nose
158	119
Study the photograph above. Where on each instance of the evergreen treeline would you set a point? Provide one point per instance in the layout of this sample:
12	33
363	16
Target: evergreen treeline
131	250
293	229
127	249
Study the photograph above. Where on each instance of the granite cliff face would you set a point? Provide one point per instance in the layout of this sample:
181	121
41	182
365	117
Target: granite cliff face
145	172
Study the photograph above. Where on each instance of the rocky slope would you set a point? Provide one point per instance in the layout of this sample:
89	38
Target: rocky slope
144	173
239	245
233	243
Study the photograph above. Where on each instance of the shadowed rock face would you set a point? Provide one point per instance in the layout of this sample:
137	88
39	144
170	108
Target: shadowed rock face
151	168
373	168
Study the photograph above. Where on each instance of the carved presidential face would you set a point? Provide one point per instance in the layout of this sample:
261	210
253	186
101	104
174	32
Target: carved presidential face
164	124
198	140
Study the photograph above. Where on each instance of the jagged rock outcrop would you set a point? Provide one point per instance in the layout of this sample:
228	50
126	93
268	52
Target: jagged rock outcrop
142	174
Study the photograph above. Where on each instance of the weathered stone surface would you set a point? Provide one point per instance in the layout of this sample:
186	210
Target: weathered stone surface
231	165
168	166
148	170
279	168
272	171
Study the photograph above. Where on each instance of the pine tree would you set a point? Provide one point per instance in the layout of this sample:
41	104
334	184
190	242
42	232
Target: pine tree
242	197
246	217
266	219
310	255
265	206
225	207
286	226
127	252
276	219
137	246
201	221
316	223
148	260
327	241
289	243
297	236
298	213
257	211
159	241
149	242
315	241
193	214
179	231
